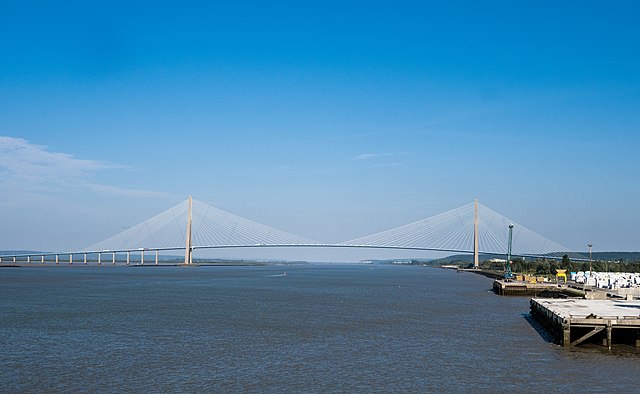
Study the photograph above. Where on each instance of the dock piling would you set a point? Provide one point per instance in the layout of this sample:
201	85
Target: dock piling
566	334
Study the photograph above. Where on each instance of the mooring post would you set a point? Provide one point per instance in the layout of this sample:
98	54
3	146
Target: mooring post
99	258
142	257
128	256
70	258
113	257
42	259
609	330
156	257
57	258
84	256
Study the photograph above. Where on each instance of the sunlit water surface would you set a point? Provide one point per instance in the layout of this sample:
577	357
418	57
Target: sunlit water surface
319	328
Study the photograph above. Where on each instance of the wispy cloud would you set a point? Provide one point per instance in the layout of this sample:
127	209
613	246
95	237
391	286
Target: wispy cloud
387	155
127	192
27	167
33	163
396	164
369	156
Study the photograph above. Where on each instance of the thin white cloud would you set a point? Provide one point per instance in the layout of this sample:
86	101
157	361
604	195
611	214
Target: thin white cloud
367	156
127	192
386	165
384	159
31	168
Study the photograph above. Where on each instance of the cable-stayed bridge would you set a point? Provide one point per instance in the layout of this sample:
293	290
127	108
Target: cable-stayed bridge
192	225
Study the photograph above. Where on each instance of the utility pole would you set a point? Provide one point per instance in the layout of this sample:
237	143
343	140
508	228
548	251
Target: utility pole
187	249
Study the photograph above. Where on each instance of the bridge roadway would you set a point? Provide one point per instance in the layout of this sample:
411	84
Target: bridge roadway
27	257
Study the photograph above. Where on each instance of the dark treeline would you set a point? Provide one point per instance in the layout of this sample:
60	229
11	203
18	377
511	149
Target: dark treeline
550	267
602	262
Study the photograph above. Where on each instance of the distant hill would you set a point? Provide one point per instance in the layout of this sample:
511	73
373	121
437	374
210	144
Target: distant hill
602	256
20	252
135	258
615	256
465	258
626	257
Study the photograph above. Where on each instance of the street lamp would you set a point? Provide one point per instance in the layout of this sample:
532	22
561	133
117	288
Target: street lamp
508	274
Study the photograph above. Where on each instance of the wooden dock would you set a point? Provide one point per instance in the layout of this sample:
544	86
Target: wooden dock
504	287
576	321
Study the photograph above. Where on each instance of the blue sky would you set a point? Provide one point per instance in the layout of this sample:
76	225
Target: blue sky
331	120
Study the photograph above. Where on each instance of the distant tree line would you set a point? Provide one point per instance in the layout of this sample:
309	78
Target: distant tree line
550	267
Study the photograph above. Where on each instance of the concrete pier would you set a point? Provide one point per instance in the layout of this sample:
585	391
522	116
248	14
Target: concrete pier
503	287
576	321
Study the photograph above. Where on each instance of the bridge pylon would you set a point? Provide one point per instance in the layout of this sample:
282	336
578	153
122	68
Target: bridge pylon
476	262
188	247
